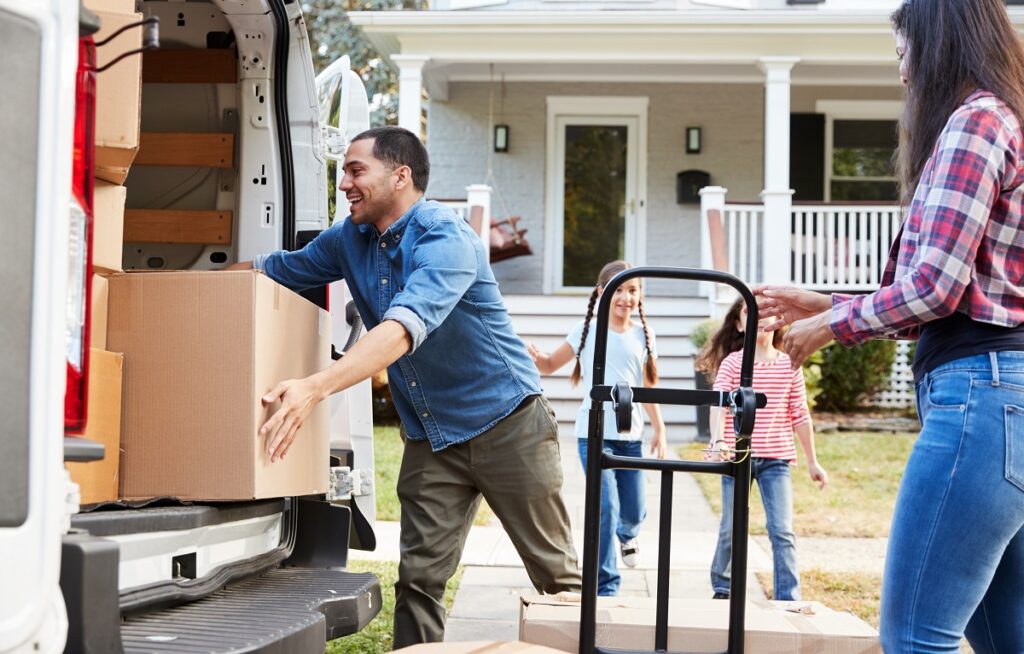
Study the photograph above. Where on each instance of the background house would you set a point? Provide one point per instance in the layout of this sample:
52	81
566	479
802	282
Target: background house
619	111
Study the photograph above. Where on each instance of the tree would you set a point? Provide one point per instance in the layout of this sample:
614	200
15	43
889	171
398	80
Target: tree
332	34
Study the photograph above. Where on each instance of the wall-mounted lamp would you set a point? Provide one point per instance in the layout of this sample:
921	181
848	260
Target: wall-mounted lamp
693	140
501	138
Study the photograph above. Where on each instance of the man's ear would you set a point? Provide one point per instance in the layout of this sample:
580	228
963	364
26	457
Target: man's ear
403	177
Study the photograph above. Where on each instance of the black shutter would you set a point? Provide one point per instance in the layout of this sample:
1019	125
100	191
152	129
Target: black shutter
807	156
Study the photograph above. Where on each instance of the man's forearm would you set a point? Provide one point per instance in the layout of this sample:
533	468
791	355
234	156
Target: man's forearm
376	350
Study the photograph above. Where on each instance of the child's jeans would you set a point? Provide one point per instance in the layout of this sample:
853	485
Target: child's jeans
956	549
776	486
623	508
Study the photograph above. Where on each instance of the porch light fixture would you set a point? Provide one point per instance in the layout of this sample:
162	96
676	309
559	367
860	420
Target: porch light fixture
693	140
501	138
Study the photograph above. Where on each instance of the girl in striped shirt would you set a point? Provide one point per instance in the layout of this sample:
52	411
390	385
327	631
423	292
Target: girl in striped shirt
772	444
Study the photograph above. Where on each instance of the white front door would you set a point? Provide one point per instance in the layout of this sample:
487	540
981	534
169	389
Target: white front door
596	190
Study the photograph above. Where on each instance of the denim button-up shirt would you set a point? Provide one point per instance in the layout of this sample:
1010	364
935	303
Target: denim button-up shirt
467	368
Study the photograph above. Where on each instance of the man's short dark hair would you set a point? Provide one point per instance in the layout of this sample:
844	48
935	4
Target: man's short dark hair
397	146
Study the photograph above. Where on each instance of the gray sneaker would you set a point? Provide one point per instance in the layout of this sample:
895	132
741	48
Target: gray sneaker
630	552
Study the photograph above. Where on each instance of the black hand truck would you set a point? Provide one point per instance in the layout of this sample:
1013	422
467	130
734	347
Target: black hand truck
742	401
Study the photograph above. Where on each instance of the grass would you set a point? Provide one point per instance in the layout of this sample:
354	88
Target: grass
375	638
856	592
387	460
864	471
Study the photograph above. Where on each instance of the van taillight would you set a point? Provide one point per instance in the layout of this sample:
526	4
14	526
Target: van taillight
80	240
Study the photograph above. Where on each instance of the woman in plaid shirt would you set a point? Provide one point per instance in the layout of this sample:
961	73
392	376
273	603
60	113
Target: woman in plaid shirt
954	281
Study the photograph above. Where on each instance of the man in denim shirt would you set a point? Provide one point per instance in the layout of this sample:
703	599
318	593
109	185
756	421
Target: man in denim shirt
468	394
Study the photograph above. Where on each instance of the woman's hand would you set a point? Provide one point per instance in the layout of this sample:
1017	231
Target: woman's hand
789	304
806	337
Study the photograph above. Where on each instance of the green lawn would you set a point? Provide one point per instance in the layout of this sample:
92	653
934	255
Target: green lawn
387	459
864	471
375	638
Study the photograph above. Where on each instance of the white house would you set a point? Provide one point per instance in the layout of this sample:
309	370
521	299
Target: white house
618	111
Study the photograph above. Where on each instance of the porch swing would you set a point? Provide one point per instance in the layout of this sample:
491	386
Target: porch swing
506	239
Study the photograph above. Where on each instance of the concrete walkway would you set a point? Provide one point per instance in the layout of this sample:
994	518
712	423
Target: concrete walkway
487	603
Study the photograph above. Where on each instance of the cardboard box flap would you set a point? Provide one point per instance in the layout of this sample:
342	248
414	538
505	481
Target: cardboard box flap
478	647
699	625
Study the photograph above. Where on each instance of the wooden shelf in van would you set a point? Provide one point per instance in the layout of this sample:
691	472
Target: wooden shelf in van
177	226
186	149
189	66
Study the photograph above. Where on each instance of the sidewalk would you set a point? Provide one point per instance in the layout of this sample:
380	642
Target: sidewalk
487	603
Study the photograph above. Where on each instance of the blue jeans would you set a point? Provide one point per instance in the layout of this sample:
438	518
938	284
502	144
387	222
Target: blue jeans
955	564
776	485
623	508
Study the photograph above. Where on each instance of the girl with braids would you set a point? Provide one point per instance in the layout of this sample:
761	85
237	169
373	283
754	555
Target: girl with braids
771	444
630	358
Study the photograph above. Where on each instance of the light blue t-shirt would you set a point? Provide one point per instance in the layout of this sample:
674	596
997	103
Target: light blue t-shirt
624	361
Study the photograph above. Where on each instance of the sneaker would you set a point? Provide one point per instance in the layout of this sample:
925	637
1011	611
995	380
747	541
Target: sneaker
719	595
630	552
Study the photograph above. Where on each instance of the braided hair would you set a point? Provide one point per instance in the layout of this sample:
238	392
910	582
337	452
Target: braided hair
650	365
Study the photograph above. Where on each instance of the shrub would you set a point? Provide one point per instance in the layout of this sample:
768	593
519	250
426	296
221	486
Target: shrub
702	331
851	376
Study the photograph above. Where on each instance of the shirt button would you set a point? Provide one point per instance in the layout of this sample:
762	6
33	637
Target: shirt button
383	244
412	384
384	281
426	414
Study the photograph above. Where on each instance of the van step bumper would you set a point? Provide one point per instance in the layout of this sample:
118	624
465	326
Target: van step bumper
285	610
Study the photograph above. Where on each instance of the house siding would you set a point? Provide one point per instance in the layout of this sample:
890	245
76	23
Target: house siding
731	117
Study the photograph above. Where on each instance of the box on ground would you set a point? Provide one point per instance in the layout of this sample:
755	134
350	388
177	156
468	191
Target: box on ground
478	647
201	349
98	300
107	226
699	625
118	96
97	480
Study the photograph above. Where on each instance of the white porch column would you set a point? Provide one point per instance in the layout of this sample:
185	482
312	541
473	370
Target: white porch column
479	195
410	90
777	196
712	198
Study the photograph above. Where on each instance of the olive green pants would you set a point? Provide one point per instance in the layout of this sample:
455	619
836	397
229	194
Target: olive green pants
516	466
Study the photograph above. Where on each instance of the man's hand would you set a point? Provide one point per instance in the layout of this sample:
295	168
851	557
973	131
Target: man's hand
789	304
298	398
806	337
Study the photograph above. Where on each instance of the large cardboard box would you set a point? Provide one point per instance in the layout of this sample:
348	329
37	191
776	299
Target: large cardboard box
201	349
478	647
118	96
97	480
98	300
699	625
107	226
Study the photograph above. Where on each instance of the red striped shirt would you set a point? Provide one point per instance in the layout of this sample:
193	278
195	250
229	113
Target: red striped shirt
785	411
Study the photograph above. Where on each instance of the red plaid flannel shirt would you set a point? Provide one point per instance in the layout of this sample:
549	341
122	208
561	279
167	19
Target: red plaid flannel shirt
961	246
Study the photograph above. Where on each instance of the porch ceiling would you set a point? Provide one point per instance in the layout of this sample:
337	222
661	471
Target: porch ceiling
833	47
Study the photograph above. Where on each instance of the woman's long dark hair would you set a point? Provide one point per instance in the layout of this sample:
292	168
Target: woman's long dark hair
603	277
725	341
954	47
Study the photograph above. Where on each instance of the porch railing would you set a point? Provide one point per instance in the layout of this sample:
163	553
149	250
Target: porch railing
478	196
832	247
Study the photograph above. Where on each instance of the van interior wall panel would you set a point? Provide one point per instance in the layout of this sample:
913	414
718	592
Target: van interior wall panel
175	226
186	149
190	66
19	133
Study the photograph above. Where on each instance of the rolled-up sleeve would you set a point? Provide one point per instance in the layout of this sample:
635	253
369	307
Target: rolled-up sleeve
445	265
316	264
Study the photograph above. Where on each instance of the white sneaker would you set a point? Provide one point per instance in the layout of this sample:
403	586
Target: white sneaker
630	552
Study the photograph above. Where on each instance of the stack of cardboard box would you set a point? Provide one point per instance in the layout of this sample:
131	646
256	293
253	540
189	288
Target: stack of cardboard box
179	361
118	98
